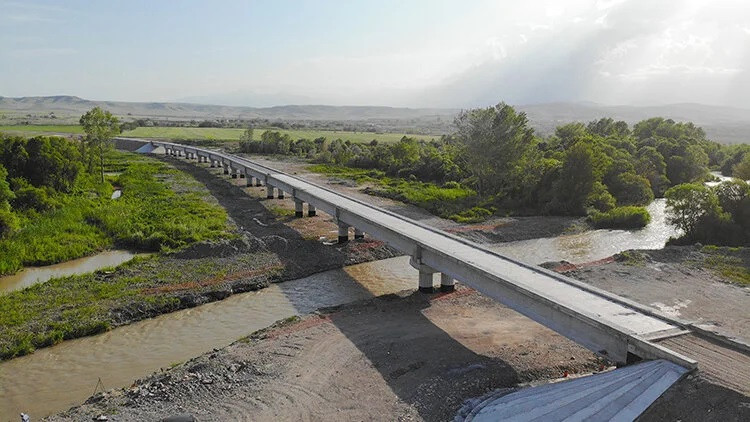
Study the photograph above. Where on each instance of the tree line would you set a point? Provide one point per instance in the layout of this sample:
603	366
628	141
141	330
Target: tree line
604	169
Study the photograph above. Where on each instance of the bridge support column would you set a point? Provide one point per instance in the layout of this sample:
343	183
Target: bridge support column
234	172
269	191
249	180
447	283
258	182
425	273
213	164
298	208
281	194
343	232
358	234
310	210
425	282
226	168
166	151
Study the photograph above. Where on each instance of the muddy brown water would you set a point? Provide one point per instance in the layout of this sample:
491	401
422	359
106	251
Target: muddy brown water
53	379
594	244
34	275
56	378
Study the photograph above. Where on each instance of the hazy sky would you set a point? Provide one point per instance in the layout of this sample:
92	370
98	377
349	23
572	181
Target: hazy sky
382	52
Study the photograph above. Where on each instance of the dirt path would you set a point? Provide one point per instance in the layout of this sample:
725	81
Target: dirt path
501	229
389	358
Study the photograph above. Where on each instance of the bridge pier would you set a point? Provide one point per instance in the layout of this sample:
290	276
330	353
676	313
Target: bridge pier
358	234
249	180
226	167
343	232
298	208
310	210
258	182
281	194
425	282
269	191
447	283
233	172
213	163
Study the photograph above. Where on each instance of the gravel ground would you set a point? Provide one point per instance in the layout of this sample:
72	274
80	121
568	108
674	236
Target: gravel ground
415	357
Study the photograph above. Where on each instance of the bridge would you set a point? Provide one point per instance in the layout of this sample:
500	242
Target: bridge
614	327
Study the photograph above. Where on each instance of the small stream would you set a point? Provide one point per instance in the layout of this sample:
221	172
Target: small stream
33	275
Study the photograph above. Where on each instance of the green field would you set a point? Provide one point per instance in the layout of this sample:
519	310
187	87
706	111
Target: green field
210	133
32	130
207	133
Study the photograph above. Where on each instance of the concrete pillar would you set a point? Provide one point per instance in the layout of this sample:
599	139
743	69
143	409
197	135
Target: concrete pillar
447	283
269	191
166	151
343	232
425	282
249	180
281	194
298	208
213	163
258	182
226	168
358	234
234	172
310	210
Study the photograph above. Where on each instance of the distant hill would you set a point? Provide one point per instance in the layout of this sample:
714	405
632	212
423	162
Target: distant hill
723	124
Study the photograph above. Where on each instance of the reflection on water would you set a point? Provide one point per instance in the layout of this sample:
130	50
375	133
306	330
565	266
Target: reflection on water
595	244
34	275
55	378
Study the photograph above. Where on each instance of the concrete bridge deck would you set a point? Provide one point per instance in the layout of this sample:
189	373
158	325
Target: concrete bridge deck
609	325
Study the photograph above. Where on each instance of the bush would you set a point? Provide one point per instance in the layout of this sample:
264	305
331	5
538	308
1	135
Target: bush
8	222
473	215
629	217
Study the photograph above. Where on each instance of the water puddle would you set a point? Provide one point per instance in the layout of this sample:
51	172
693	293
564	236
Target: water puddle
34	275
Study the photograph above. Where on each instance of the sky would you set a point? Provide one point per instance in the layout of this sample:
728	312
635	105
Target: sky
417	53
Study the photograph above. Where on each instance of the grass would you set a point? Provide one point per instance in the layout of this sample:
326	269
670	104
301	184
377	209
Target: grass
34	130
629	217
70	307
449	201
228	134
732	264
161	208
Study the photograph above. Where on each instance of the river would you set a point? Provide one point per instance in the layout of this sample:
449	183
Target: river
33	275
55	378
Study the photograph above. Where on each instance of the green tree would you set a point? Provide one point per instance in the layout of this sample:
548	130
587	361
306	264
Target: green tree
100	127
492	141
688	204
247	135
576	180
741	170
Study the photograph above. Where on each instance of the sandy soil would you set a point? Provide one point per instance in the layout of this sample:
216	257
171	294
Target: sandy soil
416	357
676	281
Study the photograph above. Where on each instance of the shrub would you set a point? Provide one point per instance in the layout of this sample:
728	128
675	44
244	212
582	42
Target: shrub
8	222
629	217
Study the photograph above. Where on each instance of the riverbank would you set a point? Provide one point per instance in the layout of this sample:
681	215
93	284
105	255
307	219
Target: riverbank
262	250
399	357
419	357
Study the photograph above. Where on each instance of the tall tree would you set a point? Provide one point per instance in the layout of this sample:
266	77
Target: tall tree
100	127
493	142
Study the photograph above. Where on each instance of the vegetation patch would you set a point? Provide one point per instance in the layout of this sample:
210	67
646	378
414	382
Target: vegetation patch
732	264
629	217
70	307
70	213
